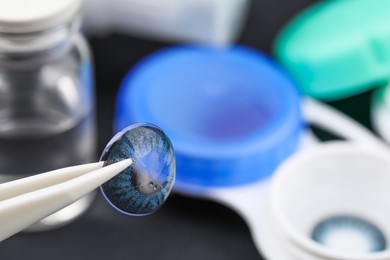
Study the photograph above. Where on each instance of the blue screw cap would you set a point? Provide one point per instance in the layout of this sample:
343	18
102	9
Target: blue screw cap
232	115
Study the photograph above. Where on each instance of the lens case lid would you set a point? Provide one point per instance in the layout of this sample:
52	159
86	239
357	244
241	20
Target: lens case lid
232	114
335	49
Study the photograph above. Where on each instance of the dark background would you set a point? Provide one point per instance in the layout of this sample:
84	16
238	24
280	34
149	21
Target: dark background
184	228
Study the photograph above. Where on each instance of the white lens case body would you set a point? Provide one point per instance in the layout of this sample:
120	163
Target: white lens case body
263	204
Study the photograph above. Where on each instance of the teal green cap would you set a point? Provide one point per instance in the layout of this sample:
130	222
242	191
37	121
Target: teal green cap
337	48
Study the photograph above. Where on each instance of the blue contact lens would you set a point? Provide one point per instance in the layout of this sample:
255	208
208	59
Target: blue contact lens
143	187
349	234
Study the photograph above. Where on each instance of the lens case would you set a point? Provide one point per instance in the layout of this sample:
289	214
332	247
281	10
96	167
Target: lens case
233	117
336	49
329	202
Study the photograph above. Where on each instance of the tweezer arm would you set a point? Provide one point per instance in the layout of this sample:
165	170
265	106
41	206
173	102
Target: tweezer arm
43	180
26	201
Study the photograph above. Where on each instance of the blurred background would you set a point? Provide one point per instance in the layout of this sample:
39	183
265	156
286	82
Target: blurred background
184	228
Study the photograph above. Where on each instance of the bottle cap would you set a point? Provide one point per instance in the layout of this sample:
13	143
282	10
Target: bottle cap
338	48
231	114
24	16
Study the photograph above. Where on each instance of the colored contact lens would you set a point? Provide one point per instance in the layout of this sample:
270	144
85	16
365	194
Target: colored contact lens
349	234
143	187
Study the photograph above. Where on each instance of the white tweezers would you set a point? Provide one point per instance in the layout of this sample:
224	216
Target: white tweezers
26	201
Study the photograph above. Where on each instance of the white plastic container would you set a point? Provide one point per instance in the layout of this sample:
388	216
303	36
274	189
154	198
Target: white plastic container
206	21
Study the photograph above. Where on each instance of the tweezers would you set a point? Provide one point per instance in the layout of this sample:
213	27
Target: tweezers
25	201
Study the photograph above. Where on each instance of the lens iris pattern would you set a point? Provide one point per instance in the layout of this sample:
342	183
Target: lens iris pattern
349	233
143	187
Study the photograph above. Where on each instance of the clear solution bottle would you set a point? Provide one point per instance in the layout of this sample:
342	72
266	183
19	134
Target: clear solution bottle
46	94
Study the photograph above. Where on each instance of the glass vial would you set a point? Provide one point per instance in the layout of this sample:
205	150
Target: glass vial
46	94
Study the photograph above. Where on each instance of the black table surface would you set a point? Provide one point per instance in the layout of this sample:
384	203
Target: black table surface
184	228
